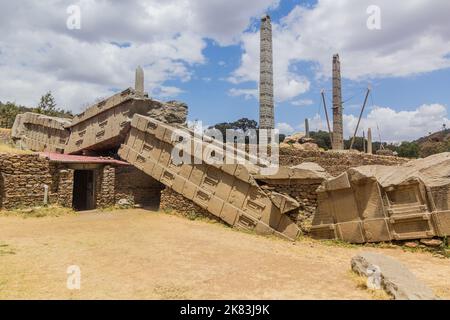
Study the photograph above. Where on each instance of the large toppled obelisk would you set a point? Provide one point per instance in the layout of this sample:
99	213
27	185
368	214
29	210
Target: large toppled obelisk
338	132
266	105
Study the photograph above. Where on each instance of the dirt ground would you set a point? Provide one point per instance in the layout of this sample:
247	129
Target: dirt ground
138	254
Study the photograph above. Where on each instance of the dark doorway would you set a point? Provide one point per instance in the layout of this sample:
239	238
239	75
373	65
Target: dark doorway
83	190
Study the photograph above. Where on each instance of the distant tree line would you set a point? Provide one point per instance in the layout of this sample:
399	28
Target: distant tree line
405	149
46	106
322	138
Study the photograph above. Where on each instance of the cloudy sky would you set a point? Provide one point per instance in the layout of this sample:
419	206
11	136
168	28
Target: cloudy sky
206	53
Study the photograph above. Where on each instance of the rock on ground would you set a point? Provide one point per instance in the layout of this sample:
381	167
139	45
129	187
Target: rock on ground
396	279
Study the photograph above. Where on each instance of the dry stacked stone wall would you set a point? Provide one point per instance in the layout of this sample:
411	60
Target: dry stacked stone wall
105	181
23	176
304	191
136	188
334	162
22	180
64	185
173	201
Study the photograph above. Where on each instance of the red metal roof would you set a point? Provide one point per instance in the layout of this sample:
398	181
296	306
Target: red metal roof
68	158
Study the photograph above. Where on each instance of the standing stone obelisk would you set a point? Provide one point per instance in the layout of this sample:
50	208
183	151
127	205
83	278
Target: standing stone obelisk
139	82
338	131
306	128
369	141
266	105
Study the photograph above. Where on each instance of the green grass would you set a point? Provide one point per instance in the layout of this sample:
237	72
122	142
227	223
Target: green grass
338	243
4	148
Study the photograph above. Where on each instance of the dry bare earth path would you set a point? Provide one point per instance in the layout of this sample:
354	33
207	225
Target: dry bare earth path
137	254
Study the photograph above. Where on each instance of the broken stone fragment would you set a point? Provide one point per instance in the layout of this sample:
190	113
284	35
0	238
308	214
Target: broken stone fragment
411	244
395	278
431	242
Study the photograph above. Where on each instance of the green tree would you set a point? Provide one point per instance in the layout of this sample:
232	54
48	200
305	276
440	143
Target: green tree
408	149
8	113
243	125
322	138
47	105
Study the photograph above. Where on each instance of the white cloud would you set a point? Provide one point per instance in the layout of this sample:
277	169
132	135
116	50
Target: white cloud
246	93
414	38
302	102
167	38
284	128
166	91
287	84
397	126
394	126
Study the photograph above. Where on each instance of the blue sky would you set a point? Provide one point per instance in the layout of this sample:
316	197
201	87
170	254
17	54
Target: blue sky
209	99
206	53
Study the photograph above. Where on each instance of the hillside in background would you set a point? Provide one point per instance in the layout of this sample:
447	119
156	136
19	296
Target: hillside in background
434	143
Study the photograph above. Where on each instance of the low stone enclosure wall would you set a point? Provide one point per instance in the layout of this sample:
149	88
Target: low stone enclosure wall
335	162
136	187
23	176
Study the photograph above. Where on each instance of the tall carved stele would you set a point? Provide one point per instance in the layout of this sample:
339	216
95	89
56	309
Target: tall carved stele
338	133
139	83
369	141
266	105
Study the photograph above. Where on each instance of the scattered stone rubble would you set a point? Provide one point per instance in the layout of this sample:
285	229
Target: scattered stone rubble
300	141
334	162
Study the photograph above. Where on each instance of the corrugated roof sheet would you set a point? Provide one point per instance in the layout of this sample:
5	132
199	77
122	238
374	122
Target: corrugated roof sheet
67	158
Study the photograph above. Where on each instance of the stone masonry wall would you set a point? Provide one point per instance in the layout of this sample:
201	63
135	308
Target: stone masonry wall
136	187
171	200
304	191
105	182
65	187
335	163
22	177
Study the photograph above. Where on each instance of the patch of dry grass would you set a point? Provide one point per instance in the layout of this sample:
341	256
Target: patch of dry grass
4	148
39	212
361	283
6	249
